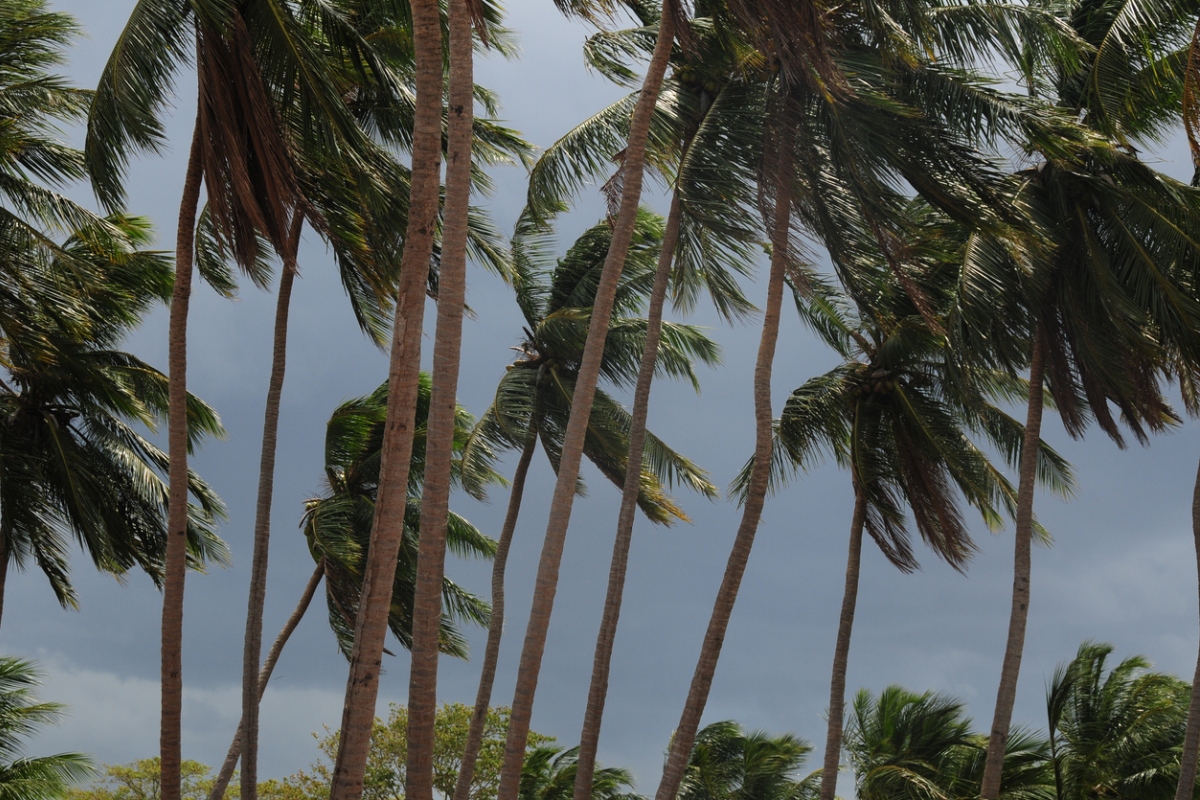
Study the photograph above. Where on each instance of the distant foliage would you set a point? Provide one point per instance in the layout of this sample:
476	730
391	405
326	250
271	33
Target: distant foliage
389	754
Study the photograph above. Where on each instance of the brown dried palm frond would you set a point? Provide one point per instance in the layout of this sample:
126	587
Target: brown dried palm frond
247	161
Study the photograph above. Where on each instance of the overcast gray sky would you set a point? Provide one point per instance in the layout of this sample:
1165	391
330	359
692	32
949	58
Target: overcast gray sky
1121	569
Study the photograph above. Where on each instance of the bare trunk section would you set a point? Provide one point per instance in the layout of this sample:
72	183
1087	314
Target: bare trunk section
362	684
4	567
225	774
252	650
1011	669
714	637
581	407
1186	788
491	653
177	475
841	652
435	497
602	661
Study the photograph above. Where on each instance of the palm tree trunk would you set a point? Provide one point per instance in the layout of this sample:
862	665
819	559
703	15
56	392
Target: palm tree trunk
362	684
714	637
225	774
262	519
177	475
3	567
1186	788
601	662
581	407
452	284
1007	694
491	653
841	652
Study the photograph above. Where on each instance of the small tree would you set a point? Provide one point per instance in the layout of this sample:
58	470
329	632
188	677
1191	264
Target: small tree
388	756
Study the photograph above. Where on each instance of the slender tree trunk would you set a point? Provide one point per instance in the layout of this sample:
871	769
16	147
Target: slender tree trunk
714	637
1011	669
177	475
1186	788
602	661
225	774
362	684
841	653
4	568
581	407
252	650
491	653
435	497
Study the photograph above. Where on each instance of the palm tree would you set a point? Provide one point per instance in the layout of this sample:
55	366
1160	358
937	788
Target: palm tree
35	101
1103	296
256	62
549	774
703	139
574	439
72	464
890	414
41	778
1115	732
904	745
337	527
533	401
729	764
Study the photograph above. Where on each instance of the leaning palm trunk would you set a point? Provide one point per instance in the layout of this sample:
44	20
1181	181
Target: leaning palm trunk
221	782
714	637
581	406
362	685
262	519
491	653
841	652
597	693
1006	696
4	566
177	474
431	558
1191	739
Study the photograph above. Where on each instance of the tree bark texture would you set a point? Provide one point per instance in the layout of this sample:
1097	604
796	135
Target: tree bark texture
225	774
177	476
362	685
841	652
602	661
252	649
710	651
1186	788
491	653
1011	669
435	497
581	406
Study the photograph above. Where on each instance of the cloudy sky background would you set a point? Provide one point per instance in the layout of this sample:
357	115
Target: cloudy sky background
1121	569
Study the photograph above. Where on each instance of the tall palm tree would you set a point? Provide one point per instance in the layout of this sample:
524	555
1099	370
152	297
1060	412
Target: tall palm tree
890	414
1101	295
256	61
624	227
849	118
1114	732
337	527
72	464
703	140
908	746
533	402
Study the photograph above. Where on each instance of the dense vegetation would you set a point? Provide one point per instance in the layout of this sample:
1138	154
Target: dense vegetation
966	247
